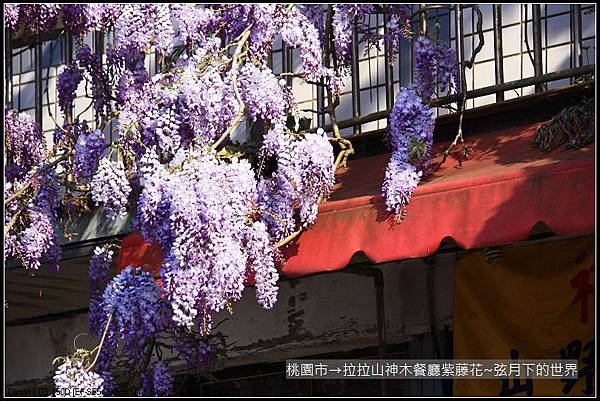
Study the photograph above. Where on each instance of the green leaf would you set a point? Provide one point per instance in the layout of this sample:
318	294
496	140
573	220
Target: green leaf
291	122
416	150
304	123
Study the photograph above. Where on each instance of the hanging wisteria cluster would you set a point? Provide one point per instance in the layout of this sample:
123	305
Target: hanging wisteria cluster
73	380
99	275
411	138
218	204
157	383
412	121
31	193
131	312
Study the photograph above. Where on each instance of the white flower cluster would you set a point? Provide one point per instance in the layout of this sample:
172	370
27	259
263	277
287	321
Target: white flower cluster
72	380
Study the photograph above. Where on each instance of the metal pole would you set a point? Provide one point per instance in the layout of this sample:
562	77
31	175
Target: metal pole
8	70
378	280
69	48
577	35
99	49
284	67
498	54
520	83
290	64
355	79
429	265
389	69
38	82
321	86
537	44
489	90
321	104
69	60
460	49
156	62
424	19
381	335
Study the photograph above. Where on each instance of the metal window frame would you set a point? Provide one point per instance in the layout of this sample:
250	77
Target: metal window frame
393	76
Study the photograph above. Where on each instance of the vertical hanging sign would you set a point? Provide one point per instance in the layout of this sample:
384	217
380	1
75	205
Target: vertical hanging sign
537	302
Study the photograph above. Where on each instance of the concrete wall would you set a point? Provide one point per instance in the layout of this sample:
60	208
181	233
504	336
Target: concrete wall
325	313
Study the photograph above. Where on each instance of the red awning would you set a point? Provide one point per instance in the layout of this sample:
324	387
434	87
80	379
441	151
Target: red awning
500	193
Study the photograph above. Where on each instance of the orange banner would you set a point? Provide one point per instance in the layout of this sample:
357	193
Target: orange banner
537	302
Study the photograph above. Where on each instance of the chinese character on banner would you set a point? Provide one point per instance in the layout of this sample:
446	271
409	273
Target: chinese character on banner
536	303
583	283
573	351
515	386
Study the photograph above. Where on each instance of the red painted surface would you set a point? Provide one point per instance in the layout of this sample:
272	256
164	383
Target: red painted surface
136	252
499	194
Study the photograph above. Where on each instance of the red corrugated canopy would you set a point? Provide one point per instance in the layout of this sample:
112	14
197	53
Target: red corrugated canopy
495	198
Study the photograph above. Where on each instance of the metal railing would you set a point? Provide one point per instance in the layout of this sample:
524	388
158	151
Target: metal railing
423	17
534	52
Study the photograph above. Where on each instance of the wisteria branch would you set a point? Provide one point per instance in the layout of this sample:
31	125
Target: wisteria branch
38	171
55	162
234	71
293	235
13	221
99	347
466	64
345	144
